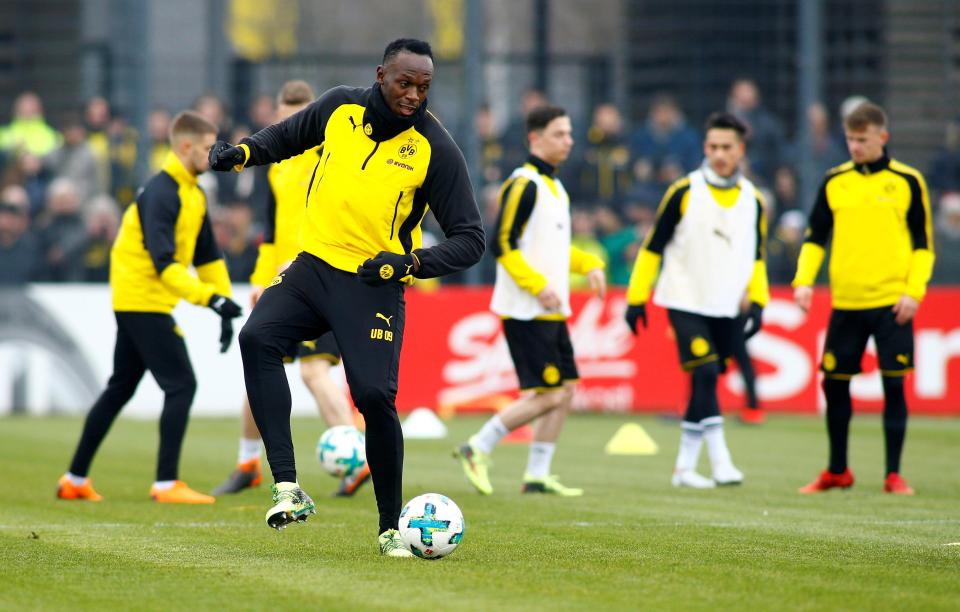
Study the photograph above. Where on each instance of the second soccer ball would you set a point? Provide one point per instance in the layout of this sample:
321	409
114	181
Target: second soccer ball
341	450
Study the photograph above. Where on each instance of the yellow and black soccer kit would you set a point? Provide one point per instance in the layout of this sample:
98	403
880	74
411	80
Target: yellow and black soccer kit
286	205
878	215
704	342
370	190
162	234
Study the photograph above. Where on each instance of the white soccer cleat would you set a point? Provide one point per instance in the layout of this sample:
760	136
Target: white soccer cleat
689	478
726	475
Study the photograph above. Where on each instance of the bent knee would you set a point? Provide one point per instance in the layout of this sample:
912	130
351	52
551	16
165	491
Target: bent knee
370	399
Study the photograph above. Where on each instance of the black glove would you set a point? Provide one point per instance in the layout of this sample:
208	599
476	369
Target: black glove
386	268
754	320
634	312
225	307
226	333
224	156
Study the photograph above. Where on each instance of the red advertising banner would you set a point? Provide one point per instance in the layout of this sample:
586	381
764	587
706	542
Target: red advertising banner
455	358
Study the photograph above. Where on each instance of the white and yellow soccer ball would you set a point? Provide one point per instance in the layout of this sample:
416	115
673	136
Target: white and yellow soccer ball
341	450
431	526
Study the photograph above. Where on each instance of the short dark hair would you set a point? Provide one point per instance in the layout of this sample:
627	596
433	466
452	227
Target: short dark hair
541	116
190	123
411	45
722	120
865	115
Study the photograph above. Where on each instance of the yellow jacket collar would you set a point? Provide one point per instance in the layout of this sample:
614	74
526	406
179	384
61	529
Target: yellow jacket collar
175	168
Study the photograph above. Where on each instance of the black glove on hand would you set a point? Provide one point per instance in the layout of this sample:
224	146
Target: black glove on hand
224	156
226	334
754	320
386	268
634	312
225	307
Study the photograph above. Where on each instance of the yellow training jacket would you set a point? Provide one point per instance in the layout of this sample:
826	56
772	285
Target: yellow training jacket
286	206
377	176
879	214
162	234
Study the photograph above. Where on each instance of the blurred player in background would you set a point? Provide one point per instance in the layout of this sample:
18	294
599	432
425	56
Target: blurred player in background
710	234
281	244
532	296
385	159
163	233
878	212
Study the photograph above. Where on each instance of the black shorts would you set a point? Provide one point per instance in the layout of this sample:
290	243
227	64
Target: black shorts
325	347
702	339
542	353
847	336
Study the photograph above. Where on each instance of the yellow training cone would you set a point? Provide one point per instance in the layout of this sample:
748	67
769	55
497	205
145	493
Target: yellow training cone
631	439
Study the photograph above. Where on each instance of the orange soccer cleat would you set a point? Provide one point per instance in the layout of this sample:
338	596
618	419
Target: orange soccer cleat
68	490
895	484
179	493
828	480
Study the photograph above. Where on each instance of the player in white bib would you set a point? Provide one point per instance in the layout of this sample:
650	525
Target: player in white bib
532	296
710	236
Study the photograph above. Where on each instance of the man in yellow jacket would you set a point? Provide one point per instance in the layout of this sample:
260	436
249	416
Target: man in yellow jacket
163	233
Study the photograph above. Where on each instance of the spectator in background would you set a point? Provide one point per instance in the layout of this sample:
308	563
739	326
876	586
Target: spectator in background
18	245
604	172
96	116
158	134
620	242
491	151
62	234
947	240
765	136
785	190
232	229
262	112
515	135
665	143
28	171
76	160
583	229
28	131
824	148
945	168
213	110
783	248
102	218
124	140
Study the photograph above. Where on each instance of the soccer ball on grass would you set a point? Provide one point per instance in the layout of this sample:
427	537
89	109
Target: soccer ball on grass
431	526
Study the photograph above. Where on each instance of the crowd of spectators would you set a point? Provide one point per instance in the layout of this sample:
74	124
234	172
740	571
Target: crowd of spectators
65	184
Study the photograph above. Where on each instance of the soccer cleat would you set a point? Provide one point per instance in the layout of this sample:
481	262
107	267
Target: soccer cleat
290	504
475	466
828	480
68	490
895	484
179	493
247	475
391	545
691	479
753	416
548	484
352	483
726	475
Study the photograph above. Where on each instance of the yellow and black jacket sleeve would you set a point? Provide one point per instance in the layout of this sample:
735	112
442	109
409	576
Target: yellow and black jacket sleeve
517	199
159	208
819	226
266	267
647	265
758	290
209	263
920	226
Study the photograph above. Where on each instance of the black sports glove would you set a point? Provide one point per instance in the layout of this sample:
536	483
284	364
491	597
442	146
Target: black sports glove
754	320
634	312
224	156
225	307
386	268
226	333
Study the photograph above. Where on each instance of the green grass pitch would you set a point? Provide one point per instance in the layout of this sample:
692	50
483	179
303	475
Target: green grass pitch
632	542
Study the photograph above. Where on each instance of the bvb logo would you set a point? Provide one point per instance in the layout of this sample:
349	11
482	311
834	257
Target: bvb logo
829	361
551	375
699	346
368	129
386	271
407	151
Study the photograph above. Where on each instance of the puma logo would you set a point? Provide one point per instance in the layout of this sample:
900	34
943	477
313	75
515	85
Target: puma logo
385	318
904	359
407	273
717	232
353	123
